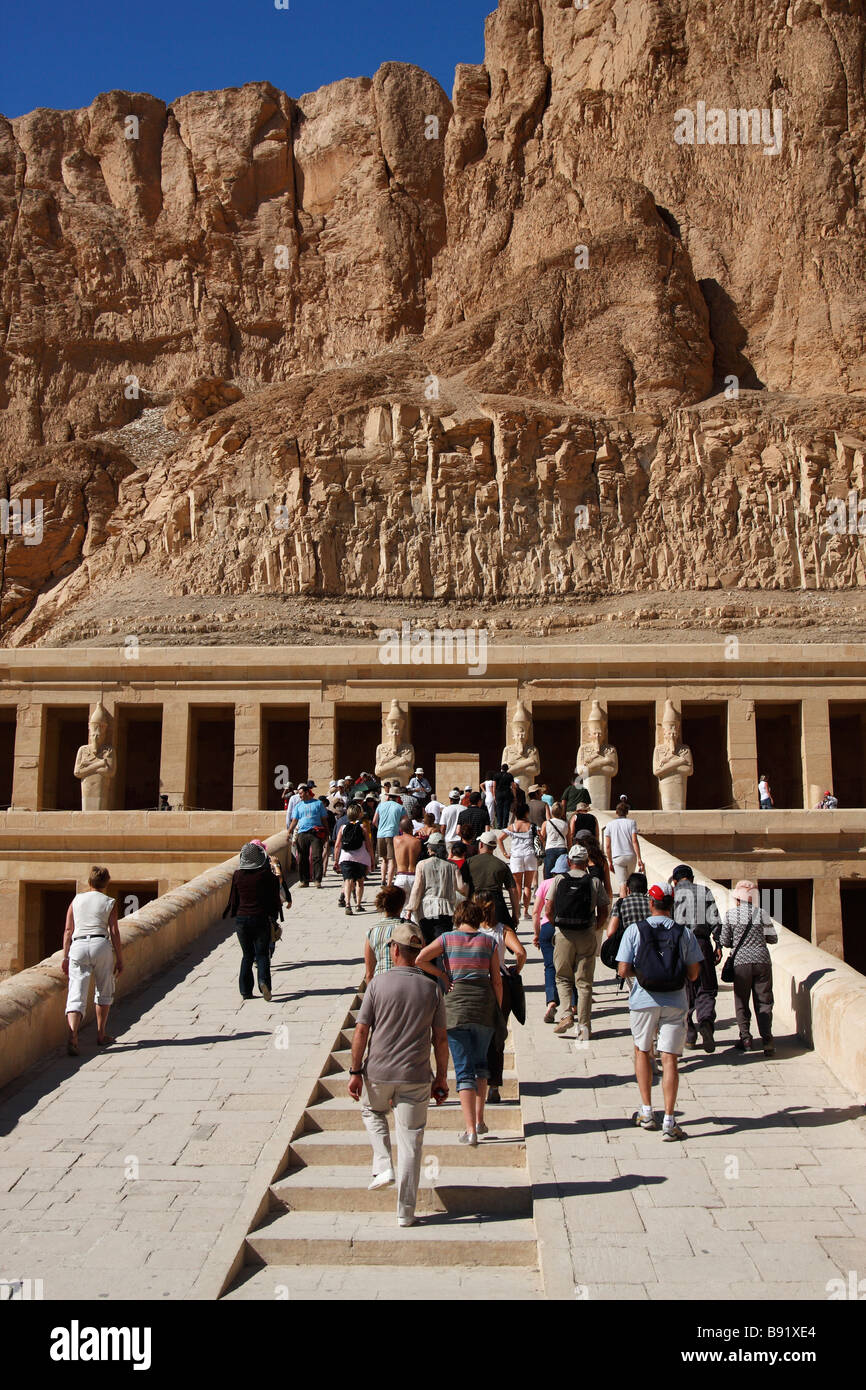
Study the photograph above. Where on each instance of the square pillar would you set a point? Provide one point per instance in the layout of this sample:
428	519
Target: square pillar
29	748
743	753
323	743
246	795
174	757
827	915
816	753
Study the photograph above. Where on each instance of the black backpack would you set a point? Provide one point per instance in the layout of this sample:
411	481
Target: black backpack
573	910
610	948
658	962
353	836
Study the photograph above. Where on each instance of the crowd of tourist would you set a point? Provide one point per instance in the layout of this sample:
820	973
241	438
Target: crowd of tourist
443	959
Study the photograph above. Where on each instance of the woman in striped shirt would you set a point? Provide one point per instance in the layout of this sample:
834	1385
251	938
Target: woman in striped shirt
471	960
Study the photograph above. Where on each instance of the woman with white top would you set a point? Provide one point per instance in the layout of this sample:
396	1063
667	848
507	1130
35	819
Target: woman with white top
622	845
554	833
523	861
91	946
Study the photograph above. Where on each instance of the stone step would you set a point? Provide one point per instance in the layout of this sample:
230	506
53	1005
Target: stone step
365	1282
374	1238
343	1055
504	1191
340	1112
336	1082
352	1148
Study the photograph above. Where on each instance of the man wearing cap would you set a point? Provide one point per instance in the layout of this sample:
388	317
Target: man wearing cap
695	907
662	954
254	898
310	819
450	816
489	874
573	906
402	1015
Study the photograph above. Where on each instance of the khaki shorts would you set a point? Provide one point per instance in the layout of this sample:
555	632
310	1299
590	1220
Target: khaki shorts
667	1019
385	847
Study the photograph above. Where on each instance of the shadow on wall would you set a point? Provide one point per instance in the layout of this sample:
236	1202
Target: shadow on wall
728	337
801	1002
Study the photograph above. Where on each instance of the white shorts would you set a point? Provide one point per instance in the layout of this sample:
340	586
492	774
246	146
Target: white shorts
523	863
90	955
670	1022
404	881
624	866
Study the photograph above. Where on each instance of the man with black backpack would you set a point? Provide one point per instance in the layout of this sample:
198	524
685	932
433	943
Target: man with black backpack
573	907
662	954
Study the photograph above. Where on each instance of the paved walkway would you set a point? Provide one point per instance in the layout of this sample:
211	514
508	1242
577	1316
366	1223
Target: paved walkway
119	1172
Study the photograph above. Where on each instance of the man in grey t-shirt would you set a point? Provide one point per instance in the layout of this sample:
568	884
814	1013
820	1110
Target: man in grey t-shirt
402	1014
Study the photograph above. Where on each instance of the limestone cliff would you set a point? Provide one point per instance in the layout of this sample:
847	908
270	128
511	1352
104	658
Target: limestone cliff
416	348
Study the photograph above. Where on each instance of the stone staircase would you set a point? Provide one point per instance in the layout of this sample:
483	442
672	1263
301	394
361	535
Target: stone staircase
326	1234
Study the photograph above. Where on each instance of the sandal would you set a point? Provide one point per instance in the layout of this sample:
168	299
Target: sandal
105	1042
550	1014
72	1049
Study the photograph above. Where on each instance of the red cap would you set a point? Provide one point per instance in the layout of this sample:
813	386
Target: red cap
658	893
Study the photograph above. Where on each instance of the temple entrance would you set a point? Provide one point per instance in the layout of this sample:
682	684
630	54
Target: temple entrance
8	725
65	732
359	733
778	735
556	735
705	731
789	900
285	752
43	920
139	744
457	728
848	750
212	758
632	731
853	895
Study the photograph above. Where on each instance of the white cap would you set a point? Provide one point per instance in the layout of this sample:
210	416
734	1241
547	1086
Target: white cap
419	772
332	785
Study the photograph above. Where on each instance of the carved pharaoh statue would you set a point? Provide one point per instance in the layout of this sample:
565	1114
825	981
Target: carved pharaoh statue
597	760
672	763
395	758
95	763
521	755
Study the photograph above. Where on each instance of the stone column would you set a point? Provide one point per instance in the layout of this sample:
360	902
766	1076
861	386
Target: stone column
323	743
743	753
246	795
817	756
29	750
174	757
827	914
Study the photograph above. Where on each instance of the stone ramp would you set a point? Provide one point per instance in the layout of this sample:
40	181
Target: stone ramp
325	1230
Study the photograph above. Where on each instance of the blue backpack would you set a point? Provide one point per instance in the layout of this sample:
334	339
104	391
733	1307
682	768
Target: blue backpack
658	962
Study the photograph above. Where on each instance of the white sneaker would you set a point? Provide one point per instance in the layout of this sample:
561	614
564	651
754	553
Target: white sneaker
406	1221
381	1180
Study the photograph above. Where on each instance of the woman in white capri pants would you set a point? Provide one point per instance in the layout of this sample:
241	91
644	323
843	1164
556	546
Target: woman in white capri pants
622	845
91	946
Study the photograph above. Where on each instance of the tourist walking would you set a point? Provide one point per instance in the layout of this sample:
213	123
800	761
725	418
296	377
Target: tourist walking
436	890
487	873
749	930
386	823
310	820
450	816
401	1017
475	817
695	907
542	938
420	786
573	906
471	959
633	905
488	788
582	817
254	901
622	845
570	797
554	836
661	954
353	856
597	864
91	946
504	796
523	861
377	954
407	852
765	796
506	939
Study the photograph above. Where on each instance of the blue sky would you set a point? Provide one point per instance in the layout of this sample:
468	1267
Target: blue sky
62	53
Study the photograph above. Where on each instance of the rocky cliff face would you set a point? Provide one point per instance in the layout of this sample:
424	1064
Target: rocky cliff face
470	349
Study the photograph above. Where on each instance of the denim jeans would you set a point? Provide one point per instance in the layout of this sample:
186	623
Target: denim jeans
545	940
254	935
550	858
469	1047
